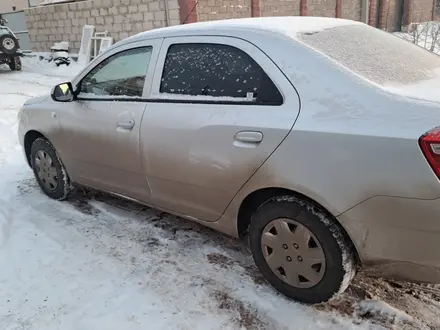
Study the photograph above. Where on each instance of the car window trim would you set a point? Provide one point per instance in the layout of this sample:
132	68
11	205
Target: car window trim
174	101
108	58
221	39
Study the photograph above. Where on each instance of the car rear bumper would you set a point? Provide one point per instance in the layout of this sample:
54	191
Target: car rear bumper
397	237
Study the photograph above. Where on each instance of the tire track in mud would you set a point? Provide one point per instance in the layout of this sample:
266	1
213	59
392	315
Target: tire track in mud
363	288
153	234
171	241
244	315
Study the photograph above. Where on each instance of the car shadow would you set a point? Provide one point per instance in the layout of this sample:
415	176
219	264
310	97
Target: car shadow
175	227
152	230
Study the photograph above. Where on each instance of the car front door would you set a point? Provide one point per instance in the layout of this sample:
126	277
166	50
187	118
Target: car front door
101	127
218	108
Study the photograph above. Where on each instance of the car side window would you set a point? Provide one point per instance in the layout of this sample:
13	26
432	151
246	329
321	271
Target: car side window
122	74
216	70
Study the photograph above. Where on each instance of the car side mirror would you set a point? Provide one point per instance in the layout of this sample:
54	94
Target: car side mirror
63	93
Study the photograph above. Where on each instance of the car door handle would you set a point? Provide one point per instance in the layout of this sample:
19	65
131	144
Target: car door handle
249	137
126	124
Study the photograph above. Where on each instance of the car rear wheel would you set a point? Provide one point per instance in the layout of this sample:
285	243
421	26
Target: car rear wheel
300	250
48	169
15	64
8	44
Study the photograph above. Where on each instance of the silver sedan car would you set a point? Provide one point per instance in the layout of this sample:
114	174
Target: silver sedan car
315	138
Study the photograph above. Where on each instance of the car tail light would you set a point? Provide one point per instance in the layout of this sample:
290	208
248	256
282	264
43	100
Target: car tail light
430	145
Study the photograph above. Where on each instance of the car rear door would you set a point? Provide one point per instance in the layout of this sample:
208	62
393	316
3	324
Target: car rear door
101	127
218	108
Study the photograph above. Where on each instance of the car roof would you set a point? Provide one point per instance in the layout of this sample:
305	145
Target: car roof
285	25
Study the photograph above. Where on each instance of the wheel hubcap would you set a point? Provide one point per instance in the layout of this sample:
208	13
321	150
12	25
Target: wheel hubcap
8	43
293	253
46	170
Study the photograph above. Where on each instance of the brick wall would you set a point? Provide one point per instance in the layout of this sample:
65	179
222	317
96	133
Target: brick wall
220	9
322	8
421	10
121	18
209	10
393	19
351	9
392	15
280	7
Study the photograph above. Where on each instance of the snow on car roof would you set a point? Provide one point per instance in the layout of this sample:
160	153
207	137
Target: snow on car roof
287	25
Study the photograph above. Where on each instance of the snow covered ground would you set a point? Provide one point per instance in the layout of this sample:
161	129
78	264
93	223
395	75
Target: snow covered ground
96	262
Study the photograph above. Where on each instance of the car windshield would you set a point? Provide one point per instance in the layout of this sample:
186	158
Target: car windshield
375	55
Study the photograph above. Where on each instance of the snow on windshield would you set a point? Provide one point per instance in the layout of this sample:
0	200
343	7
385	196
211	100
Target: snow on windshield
374	54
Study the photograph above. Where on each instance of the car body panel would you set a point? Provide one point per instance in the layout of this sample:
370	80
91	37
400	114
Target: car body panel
339	127
397	237
100	154
96	150
39	116
193	160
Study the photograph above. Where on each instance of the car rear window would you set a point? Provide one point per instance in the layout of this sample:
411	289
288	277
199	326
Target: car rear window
216	70
374	54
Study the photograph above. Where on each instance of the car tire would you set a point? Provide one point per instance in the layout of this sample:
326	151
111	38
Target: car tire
48	169
15	64
300	250
8	44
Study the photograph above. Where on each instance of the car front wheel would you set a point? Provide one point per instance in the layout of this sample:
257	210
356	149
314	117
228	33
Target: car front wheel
49	170
300	251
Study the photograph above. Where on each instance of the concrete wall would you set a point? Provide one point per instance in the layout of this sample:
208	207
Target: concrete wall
7	5
121	18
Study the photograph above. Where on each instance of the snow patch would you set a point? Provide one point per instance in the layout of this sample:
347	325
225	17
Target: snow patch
382	310
35	65
425	35
426	90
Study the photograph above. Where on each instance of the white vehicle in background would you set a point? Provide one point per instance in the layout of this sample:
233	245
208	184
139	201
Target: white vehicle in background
10	52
